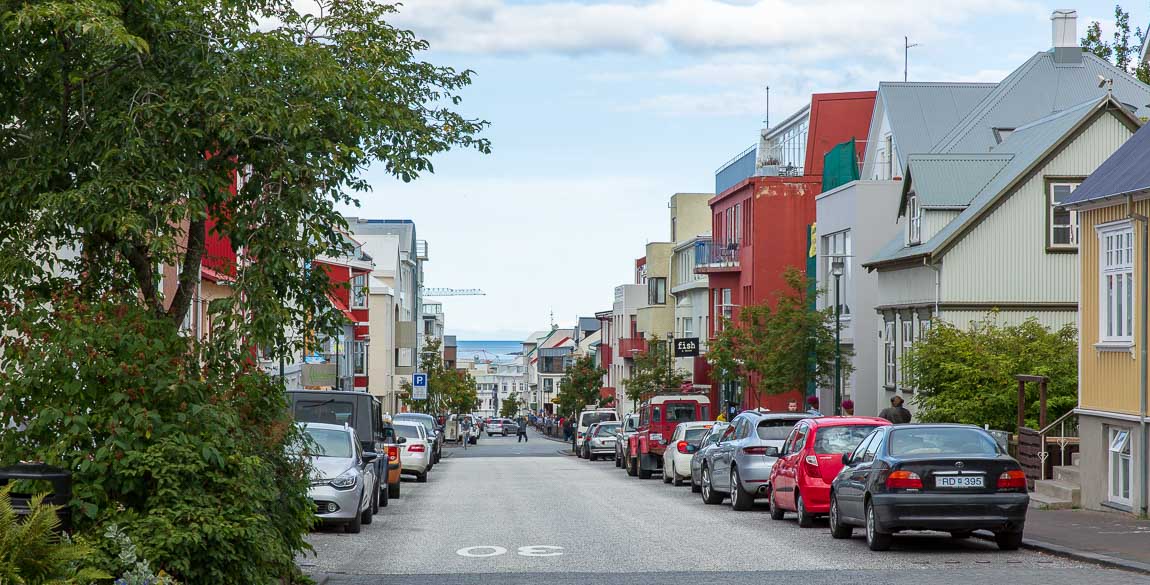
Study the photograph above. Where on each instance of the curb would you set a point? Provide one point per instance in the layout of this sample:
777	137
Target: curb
1075	554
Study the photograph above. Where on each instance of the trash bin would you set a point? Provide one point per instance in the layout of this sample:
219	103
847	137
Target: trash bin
61	494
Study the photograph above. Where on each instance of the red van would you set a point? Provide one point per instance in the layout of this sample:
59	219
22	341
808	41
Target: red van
810	459
658	418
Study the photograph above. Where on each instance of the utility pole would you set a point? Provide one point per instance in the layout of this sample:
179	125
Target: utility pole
906	55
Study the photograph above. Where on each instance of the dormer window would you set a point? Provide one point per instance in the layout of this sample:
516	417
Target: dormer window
914	221
1001	134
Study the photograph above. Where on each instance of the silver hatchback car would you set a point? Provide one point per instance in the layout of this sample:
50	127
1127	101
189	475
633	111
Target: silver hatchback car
706	445
343	481
738	464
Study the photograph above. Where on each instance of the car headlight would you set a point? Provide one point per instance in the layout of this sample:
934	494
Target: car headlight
346	480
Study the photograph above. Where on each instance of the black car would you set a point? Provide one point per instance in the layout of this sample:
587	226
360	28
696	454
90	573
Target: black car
951	478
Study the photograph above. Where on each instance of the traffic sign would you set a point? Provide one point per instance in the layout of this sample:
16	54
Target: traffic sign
419	386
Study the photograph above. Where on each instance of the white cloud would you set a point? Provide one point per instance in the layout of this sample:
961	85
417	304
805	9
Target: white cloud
806	29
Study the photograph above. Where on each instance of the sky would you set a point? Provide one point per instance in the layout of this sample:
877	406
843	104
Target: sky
600	110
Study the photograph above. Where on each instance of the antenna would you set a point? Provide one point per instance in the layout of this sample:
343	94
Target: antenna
907	45
767	115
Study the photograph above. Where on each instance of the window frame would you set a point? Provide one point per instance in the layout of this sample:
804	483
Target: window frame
1122	456
359	358
358	291
657	290
831	250
1123	269
890	354
913	220
1050	183
905	344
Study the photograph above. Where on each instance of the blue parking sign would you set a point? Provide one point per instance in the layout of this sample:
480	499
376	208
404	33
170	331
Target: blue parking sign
419	386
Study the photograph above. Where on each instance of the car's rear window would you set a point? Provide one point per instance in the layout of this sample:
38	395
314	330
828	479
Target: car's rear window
426	422
842	439
407	431
694	435
678	412
924	441
330	411
589	418
606	430
330	443
774	429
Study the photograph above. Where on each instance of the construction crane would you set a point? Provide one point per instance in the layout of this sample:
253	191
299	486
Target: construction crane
452	292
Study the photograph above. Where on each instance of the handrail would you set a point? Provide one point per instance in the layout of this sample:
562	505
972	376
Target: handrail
1063	441
1058	420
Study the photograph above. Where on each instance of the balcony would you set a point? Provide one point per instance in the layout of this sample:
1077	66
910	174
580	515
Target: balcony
716	257
630	345
421	250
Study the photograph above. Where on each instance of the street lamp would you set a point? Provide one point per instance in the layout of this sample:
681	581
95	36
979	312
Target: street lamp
837	266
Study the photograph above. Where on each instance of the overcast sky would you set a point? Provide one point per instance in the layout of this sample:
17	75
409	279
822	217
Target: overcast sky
601	109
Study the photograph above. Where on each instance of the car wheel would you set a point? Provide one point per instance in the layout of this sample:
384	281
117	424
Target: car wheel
740	499
643	473
776	511
618	459
806	520
422	477
1008	540
838	529
695	488
354	525
663	473
383	496
961	534
678	481
710	496
592	457
393	490
368	515
874	539
632	467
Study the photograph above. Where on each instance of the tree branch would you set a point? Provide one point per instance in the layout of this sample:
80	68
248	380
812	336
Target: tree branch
190	275
144	269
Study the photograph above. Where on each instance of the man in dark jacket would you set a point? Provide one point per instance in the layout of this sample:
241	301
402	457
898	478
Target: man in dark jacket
896	414
522	434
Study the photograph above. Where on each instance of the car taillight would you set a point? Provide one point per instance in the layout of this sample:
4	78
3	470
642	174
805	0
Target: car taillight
755	450
392	453
681	446
812	464
416	448
1014	479
903	480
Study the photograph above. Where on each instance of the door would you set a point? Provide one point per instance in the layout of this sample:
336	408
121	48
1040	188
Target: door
852	490
783	481
721	461
789	473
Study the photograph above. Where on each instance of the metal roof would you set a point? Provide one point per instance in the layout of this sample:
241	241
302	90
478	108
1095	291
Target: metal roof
920	114
1039	88
1125	172
950	181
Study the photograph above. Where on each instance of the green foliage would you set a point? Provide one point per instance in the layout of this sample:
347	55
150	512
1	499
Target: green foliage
967	375
509	408
580	387
32	552
779	348
137	571
654	373
191	457
1124	50
448	390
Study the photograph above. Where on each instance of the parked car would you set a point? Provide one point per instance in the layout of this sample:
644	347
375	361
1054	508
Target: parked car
810	460
622	435
658	417
417	454
738	465
600	440
706	445
433	428
588	418
495	427
343	481
953	478
393	451
685	440
359	410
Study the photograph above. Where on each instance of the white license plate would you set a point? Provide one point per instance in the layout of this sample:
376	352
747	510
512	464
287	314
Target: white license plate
958	481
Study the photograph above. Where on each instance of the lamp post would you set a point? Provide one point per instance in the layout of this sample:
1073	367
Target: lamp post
837	263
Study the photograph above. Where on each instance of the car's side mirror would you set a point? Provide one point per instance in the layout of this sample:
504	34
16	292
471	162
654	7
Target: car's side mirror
370	457
846	458
692	448
400	440
772	451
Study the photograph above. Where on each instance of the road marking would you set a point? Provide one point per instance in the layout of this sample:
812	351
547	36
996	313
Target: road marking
470	551
540	550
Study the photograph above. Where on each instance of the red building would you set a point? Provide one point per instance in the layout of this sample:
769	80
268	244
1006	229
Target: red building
349	295
763	224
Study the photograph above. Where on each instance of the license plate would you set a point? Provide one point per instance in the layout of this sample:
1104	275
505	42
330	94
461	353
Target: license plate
958	481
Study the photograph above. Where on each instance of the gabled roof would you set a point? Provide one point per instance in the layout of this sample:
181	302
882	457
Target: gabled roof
1126	172
920	114
1039	88
949	181
1026	147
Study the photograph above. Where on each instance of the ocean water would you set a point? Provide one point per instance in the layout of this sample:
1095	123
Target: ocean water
498	350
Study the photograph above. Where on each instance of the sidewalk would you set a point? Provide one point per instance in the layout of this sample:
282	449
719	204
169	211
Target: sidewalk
1108	538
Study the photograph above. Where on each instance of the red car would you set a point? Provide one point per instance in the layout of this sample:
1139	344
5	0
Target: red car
810	459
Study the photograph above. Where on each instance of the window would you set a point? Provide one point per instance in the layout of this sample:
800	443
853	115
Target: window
872	447
656	291
838	245
1118	479
888	353
688	327
907	343
728	308
1116	297
860	451
923	325
913	221
738	222
674	236
1062	222
887	155
359	291
359	358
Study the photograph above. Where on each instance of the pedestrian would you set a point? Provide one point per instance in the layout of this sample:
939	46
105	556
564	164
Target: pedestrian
896	414
566	430
522	434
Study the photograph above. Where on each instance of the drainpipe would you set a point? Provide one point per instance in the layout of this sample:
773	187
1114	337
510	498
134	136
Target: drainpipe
1142	342
937	284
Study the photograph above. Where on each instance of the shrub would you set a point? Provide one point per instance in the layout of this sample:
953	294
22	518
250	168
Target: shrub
32	552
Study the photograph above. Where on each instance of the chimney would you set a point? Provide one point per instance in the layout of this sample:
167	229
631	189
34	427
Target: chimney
1064	36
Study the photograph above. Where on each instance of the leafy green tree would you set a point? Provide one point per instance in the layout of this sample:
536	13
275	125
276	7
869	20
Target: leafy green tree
580	386
654	373
1126	47
448	390
509	408
122	126
967	375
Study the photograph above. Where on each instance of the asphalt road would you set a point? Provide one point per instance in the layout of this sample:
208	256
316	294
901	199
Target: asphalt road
530	514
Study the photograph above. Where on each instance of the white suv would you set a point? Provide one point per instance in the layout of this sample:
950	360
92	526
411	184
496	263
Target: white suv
588	418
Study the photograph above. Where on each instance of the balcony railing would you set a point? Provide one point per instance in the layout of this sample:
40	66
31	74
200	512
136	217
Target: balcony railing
629	346
716	256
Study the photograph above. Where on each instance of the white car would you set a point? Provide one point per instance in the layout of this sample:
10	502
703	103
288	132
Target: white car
588	418
416	450
680	448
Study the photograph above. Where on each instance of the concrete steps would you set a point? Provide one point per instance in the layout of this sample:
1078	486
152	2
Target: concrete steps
1043	502
1068	473
1063	492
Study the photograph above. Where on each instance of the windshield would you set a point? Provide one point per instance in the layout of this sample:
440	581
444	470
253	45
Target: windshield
407	431
329	411
590	418
774	429
695	435
946	441
330	443
842	439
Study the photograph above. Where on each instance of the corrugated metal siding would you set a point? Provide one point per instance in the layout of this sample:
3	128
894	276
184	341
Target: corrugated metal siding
1048	319
934	220
1004	257
906	286
1109	380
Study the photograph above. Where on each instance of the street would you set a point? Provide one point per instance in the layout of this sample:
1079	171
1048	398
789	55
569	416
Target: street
528	512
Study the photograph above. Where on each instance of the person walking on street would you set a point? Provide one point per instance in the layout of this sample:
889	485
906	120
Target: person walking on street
522	434
896	414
